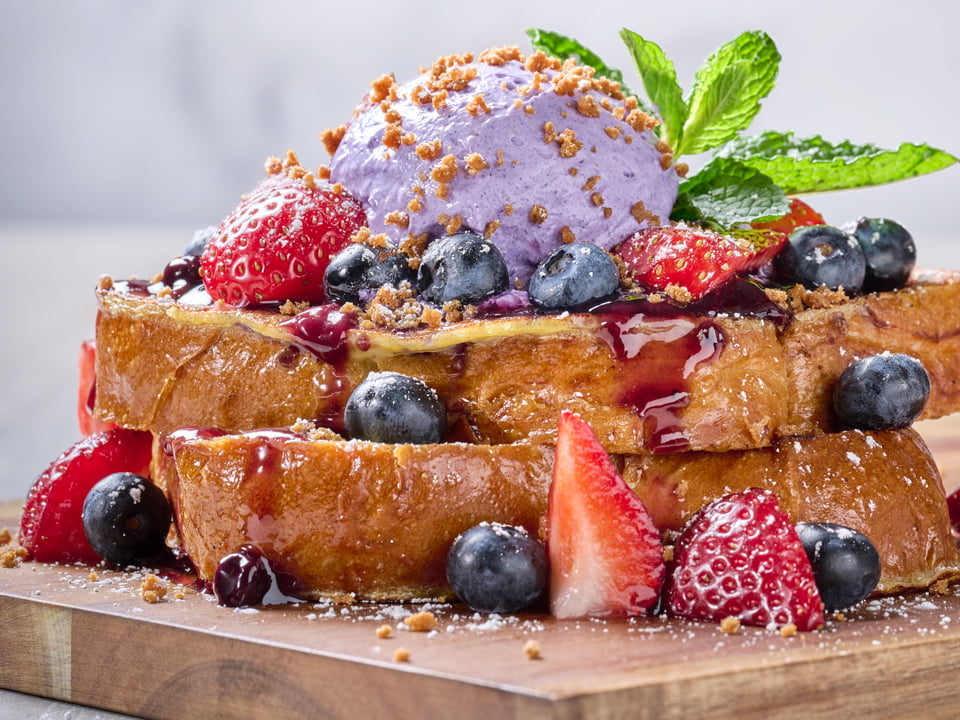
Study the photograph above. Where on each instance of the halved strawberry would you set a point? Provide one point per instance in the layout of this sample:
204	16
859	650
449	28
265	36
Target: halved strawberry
51	528
277	242
741	557
694	260
800	215
606	558
86	390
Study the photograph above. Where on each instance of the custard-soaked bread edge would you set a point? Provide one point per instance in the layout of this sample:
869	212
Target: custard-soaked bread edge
728	383
376	520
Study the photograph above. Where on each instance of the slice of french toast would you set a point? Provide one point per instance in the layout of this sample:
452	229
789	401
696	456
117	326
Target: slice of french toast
375	520
648	378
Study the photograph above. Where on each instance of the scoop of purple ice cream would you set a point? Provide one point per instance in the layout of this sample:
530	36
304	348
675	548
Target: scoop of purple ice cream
525	151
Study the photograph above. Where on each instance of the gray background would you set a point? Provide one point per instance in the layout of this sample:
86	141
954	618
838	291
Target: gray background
148	119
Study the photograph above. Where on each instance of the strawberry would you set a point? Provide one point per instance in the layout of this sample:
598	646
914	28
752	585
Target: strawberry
741	557
86	390
606	558
800	215
953	507
275	245
692	259
51	528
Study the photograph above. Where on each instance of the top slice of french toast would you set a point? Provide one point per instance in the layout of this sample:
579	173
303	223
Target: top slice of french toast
647	378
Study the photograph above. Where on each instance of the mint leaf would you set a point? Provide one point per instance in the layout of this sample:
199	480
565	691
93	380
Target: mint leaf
659	79
801	165
563	47
726	193
727	92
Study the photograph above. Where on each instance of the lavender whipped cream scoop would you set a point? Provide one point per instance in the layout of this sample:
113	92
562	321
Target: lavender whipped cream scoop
528	155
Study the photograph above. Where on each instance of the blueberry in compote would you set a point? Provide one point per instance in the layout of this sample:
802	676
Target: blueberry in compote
126	519
497	568
881	392
845	563
361	267
184	270
572	276
242	578
464	267
889	251
823	255
389	407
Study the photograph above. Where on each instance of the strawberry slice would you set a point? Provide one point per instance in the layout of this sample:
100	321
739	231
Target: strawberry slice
741	557
51	528
800	215
606	558
277	243
693	260
86	391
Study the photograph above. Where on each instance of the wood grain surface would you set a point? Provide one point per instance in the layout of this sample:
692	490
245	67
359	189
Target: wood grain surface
93	640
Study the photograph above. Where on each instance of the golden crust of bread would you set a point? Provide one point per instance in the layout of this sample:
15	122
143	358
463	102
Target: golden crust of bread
376	520
644	383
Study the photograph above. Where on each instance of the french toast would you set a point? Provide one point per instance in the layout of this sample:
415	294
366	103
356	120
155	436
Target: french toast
375	520
727	380
510	240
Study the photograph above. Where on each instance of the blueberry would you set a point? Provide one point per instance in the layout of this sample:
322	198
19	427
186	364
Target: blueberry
845	563
200	239
463	267
819	255
572	276
126	519
242	578
889	251
497	568
389	407
361	267
881	392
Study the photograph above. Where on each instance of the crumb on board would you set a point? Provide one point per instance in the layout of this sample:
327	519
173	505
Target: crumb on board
153	589
401	655
532	650
730	626
384	631
789	630
423	621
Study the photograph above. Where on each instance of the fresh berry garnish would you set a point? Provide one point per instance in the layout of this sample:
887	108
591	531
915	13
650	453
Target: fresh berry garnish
881	392
953	507
463	267
823	256
200	239
572	276
800	215
242	578
694	260
889	250
497	568
276	244
360	267
606	558
389	407
87	390
51	528
740	557
845	563
126	519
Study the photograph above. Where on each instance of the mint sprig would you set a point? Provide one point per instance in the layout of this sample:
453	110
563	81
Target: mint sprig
749	176
806	165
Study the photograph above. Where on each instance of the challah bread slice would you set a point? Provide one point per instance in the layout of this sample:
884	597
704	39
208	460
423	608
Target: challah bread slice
375	520
647	378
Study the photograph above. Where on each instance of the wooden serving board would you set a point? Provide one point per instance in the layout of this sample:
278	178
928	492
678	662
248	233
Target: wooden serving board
93	640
